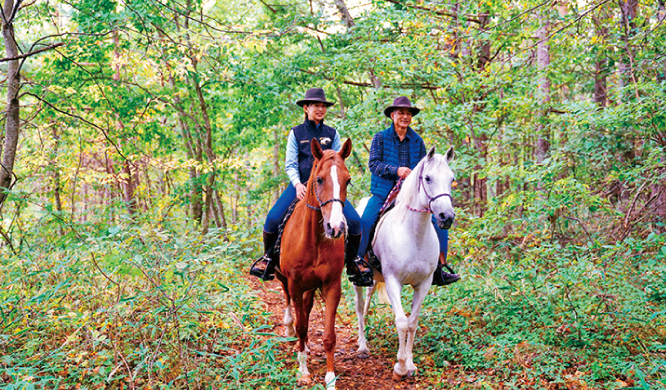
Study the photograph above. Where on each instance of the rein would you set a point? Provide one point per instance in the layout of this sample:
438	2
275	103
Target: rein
430	198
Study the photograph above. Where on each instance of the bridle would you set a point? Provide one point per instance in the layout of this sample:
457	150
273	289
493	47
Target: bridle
430	198
321	204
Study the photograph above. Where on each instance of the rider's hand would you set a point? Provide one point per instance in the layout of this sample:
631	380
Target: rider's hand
300	191
403	172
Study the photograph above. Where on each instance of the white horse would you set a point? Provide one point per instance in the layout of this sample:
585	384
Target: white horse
407	246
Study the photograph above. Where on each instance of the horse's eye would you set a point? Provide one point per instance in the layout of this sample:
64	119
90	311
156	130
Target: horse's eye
428	179
320	181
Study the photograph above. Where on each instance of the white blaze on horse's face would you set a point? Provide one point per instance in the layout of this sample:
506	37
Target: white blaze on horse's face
335	223
438	181
331	190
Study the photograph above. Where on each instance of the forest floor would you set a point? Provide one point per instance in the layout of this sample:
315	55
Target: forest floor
372	373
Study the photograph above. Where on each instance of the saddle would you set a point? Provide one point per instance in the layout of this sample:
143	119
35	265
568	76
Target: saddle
273	254
389	203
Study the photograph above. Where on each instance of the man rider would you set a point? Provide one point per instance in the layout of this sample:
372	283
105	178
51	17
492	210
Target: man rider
395	151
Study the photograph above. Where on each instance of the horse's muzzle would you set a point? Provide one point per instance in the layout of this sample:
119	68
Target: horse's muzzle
445	223
335	231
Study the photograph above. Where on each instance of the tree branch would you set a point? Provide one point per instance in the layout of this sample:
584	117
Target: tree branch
32	52
71	114
365	84
435	11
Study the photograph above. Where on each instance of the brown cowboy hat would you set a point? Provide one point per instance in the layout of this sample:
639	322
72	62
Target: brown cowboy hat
314	95
401	102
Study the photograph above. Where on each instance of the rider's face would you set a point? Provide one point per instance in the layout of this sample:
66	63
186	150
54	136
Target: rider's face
402	117
315	111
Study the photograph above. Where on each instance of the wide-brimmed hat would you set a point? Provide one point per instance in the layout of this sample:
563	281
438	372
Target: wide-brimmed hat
401	102
314	95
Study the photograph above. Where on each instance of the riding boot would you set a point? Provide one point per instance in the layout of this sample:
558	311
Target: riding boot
442	278
264	267
358	270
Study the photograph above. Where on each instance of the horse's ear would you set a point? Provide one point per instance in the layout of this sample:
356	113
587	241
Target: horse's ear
316	149
431	153
346	149
450	154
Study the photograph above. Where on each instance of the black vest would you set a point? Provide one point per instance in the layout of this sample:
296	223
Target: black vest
304	133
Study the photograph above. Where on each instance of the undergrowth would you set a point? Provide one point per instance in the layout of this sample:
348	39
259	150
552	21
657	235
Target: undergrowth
143	304
134	306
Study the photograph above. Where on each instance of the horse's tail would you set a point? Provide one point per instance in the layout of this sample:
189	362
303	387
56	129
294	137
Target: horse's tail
381	293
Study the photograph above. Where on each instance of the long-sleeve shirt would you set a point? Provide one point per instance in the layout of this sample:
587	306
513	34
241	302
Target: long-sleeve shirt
377	163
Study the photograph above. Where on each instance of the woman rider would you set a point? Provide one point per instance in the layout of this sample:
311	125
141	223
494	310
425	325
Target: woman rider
298	164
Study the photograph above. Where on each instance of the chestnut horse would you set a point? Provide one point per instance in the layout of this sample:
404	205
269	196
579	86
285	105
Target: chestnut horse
313	251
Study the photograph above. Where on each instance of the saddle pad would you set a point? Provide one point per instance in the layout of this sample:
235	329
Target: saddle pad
388	205
278	242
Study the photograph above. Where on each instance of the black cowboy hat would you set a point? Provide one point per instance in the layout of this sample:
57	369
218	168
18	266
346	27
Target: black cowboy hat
401	102
314	95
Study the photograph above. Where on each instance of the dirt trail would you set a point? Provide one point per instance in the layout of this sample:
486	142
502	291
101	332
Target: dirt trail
373	373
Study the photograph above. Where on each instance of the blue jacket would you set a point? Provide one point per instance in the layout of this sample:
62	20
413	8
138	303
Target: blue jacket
384	159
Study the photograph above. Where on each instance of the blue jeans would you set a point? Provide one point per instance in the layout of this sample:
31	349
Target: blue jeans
279	210
370	216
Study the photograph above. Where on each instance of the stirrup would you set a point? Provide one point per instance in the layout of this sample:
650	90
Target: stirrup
361	278
441	278
266	273
374	260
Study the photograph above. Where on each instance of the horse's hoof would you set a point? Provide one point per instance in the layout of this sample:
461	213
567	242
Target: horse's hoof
304	380
363	354
397	377
411	373
289	332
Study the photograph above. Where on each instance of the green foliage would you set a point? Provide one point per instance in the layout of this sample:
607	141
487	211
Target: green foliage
563	261
134	304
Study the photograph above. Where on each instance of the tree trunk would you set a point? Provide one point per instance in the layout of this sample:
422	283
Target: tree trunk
12	121
628	10
128	187
116	57
207	140
484	51
454	46
543	62
192	148
276	160
661	19
234	203
600	96
503	184
196	209
480	185
210	155
56	176
220	206
344	13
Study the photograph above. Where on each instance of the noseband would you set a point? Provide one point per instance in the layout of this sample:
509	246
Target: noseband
430	198
322	204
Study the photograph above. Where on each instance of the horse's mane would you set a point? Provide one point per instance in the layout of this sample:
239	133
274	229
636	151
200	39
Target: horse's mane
328	154
410	187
